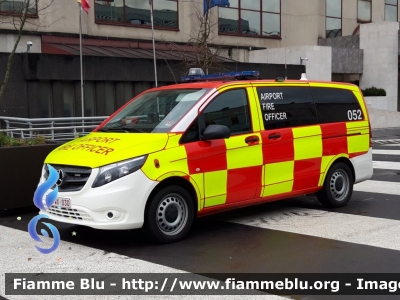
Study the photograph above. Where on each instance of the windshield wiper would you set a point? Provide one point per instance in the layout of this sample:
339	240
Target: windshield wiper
113	130
135	128
121	129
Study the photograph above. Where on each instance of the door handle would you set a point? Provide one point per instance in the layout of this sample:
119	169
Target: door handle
274	136
252	140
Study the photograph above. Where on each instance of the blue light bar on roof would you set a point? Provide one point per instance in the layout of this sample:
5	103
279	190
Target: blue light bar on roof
222	76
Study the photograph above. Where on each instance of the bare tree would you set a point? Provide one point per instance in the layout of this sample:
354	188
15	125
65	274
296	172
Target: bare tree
200	51
17	14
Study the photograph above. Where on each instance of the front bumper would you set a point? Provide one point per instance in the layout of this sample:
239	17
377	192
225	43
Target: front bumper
125	198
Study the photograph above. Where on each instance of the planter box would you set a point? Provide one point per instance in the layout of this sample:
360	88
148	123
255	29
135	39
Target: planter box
378	102
20	170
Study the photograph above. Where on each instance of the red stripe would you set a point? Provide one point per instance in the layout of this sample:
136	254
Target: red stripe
352	155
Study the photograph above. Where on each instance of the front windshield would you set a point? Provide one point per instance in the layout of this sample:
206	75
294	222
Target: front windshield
154	111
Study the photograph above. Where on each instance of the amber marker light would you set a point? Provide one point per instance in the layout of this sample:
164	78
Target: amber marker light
156	163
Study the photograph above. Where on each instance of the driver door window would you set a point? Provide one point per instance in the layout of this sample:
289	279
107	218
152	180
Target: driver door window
230	109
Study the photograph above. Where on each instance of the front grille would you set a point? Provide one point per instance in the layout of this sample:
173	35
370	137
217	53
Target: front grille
69	213
74	178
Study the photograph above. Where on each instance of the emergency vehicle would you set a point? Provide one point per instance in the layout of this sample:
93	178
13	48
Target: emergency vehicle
209	144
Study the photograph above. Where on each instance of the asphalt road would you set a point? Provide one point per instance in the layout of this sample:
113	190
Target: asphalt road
292	236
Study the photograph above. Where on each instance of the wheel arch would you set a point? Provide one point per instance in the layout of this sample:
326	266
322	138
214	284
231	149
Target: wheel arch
348	163
343	159
175	180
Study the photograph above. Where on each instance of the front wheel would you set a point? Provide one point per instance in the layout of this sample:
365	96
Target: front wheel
170	214
338	186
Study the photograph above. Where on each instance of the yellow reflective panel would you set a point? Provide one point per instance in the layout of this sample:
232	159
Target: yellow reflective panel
215	183
170	160
335	85
248	156
307	142
98	149
237	141
306	131
279	188
197	180
217	200
171	174
278	84
358	143
326	162
278	172
233	85
240	155
173	140
357	125
255	109
362	104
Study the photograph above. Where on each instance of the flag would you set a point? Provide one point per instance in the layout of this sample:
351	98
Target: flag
211	3
85	5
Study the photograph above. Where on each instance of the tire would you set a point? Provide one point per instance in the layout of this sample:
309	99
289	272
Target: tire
338	186
169	215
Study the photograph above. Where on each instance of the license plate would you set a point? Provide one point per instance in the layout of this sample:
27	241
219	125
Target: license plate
63	202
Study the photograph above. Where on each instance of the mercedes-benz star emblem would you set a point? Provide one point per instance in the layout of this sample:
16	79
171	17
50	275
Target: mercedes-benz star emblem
60	177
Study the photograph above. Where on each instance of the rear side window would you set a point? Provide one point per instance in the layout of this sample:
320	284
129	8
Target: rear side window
336	105
286	107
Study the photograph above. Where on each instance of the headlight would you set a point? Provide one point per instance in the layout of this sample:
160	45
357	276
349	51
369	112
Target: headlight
114	171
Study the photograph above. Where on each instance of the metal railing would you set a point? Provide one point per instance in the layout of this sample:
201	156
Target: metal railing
54	129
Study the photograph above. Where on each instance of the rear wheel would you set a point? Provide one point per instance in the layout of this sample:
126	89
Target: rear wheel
170	214
338	186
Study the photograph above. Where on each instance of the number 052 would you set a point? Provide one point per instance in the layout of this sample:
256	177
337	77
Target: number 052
354	114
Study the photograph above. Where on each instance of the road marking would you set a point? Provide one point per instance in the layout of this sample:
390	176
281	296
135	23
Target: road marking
396	141
379	187
80	259
388	152
377	232
387	165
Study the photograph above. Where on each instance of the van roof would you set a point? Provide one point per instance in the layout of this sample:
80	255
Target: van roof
219	84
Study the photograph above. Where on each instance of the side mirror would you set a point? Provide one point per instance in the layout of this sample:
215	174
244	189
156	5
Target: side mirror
214	132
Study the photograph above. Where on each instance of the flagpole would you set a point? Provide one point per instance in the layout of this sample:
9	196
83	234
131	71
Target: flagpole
154	46
81	61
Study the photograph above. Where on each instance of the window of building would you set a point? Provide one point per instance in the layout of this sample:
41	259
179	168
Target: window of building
68	99
230	109
336	105
333	18
137	13
251	18
110	98
17	6
89	98
45	105
364	11
286	107
391	10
